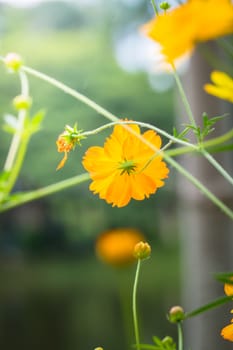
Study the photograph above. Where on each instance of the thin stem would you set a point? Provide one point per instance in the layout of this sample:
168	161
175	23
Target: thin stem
180	336
200	186
212	305
135	318
42	192
218	167
144	125
72	92
154	7
17	164
18	134
184	98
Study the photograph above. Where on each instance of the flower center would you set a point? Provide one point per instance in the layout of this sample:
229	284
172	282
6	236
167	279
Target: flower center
128	166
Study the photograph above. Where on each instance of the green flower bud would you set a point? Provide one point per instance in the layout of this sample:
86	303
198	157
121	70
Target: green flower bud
176	314
164	5
142	250
168	341
22	102
13	61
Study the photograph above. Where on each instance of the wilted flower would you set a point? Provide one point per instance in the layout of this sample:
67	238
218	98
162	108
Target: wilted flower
67	142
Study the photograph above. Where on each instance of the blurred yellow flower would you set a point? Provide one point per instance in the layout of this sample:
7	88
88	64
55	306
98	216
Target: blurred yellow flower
126	167
116	247
227	332
222	86
228	288
181	28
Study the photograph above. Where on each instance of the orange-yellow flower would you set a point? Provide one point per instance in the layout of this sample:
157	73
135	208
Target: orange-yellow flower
228	288
227	331
65	145
126	167
67	141
116	247
181	28
222	86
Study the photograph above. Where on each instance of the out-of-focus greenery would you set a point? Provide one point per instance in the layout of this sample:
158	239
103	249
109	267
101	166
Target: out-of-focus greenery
75	44
78	52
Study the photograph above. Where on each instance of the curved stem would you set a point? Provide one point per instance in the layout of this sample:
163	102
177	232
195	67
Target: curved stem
144	125
42	192
135	318
72	92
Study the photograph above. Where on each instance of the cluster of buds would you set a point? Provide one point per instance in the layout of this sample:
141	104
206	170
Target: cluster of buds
67	142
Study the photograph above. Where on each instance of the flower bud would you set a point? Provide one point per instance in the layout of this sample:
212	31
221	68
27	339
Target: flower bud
164	5
176	314
142	250
13	61
168	342
99	348
22	102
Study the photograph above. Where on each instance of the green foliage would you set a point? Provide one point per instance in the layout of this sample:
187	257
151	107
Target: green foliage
166	343
207	128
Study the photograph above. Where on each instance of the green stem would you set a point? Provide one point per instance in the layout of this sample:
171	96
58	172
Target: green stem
19	199
206	144
180	336
72	92
184	98
200	186
209	306
217	166
135	318
21	119
154	7
144	125
17	164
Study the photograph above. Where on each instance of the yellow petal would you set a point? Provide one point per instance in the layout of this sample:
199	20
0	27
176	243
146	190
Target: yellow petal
62	162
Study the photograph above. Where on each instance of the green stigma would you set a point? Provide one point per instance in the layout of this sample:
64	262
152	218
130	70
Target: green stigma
128	166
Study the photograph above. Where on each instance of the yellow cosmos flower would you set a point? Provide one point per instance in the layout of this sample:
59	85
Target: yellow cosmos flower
228	288
227	331
222	86
126	167
116	247
167	29
180	29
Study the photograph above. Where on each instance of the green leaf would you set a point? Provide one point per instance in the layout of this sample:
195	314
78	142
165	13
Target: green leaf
34	123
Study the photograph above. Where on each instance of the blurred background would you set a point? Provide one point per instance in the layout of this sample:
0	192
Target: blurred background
54	292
